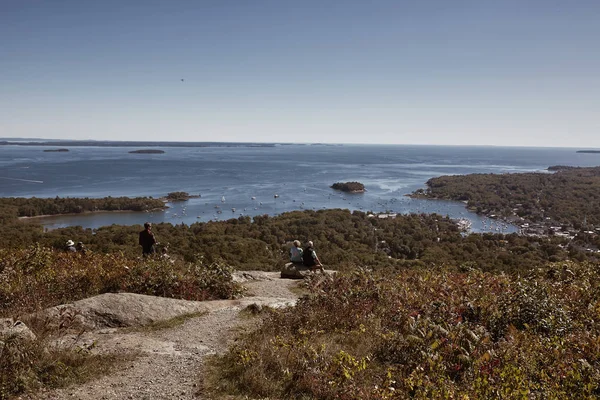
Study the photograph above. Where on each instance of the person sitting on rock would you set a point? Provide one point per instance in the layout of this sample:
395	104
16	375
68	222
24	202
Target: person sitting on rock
296	252
70	246
310	259
81	248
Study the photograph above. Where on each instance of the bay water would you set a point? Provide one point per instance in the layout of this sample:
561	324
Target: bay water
234	181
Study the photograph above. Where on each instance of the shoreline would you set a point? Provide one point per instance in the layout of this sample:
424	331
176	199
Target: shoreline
24	218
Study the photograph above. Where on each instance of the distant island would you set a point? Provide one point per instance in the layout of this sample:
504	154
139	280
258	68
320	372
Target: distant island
589	151
56	151
147	152
114	143
181	196
349	187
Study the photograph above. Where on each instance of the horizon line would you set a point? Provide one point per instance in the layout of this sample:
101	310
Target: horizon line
45	140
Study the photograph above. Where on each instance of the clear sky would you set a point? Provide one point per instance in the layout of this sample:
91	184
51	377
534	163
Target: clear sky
494	72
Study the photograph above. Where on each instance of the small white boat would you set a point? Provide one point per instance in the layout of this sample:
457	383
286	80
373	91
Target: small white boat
223	199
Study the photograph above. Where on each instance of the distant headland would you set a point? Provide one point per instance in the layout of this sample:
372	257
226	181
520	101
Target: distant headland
589	151
147	151
350	187
56	150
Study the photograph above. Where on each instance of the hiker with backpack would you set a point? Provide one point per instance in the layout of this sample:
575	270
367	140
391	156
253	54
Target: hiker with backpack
310	259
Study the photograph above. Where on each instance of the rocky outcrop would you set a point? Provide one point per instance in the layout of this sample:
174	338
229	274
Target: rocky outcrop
18	330
350	187
295	271
116	310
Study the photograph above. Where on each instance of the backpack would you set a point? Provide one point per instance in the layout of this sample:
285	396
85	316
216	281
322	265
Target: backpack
307	257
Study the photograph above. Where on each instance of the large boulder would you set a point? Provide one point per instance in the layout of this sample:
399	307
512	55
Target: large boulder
18	330
295	271
117	310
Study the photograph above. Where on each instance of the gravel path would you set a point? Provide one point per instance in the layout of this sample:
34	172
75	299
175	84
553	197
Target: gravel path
170	360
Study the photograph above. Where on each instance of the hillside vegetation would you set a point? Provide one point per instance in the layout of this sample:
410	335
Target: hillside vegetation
36	278
441	314
341	238
427	334
567	196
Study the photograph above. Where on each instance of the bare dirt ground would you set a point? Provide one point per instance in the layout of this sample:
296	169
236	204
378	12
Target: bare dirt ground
169	361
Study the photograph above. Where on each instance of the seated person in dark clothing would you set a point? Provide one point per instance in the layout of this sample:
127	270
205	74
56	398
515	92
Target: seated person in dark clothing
309	256
81	248
147	239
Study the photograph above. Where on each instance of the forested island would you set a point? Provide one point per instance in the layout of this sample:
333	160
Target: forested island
149	151
56	150
589	151
180	196
349	187
32	207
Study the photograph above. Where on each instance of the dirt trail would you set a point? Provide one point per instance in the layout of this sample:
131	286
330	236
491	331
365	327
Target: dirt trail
170	360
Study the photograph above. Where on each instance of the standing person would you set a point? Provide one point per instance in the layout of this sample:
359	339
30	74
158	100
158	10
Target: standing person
147	239
296	252
310	259
70	246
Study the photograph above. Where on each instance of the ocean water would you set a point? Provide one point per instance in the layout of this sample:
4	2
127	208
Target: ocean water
300	176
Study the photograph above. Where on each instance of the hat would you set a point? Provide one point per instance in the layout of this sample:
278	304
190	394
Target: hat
309	243
70	242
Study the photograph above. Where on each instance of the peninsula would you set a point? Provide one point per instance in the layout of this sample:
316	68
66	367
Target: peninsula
541	202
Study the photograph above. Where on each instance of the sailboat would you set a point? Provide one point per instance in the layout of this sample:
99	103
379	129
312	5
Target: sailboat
223	199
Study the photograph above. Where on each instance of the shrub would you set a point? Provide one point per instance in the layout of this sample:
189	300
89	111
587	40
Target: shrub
426	334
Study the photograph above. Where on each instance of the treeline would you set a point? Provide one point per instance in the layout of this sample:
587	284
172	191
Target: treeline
342	239
569	196
13	207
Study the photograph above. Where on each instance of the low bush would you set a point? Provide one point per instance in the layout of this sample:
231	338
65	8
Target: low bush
426	334
58	277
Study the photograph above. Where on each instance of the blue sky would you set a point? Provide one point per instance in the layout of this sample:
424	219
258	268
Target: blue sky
523	73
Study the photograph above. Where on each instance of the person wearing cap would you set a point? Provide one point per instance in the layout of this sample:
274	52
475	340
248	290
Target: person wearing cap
70	246
296	252
310	259
147	239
